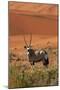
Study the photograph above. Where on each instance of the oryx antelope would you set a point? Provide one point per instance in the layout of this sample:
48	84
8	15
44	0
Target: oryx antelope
35	55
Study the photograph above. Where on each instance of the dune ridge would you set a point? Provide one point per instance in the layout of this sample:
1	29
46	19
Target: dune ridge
33	18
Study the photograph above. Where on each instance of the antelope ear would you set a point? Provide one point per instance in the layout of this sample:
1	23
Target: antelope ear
25	47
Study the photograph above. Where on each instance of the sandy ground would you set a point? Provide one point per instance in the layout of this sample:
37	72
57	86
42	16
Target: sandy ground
38	41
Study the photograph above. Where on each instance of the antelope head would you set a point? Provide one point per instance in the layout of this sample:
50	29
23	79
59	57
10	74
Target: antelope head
27	46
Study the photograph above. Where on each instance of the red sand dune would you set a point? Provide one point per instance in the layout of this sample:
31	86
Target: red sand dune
34	18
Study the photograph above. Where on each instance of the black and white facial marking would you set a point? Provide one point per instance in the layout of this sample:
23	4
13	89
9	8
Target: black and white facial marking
36	55
30	51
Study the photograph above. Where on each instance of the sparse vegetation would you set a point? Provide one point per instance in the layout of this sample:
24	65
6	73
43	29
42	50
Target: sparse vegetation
22	74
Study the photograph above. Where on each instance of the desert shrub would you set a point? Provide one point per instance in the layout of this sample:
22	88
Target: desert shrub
24	77
13	56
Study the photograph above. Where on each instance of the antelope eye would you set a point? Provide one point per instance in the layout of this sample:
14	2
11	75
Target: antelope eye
24	46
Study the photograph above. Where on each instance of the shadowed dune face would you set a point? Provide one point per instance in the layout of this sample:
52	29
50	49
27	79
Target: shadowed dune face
37	25
35	18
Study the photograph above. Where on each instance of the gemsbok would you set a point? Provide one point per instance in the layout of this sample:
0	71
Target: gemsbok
35	55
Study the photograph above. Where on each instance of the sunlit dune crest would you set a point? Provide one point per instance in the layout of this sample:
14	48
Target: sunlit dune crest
33	9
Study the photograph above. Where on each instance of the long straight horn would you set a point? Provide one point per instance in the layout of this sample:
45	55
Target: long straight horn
25	41
30	39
